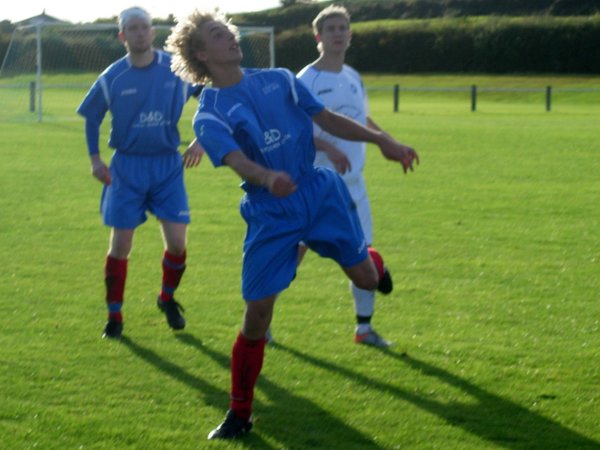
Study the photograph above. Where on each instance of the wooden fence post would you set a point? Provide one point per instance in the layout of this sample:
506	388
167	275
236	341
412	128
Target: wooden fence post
32	96
473	98
396	97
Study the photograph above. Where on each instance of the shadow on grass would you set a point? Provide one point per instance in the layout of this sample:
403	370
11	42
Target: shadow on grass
292	421
211	395
493	418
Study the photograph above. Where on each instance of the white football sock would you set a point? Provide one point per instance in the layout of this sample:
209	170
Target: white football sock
364	304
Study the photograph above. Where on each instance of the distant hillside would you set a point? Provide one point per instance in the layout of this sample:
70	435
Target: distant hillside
366	10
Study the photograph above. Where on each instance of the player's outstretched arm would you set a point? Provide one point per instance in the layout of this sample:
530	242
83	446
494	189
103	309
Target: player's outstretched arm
346	128
193	154
372	125
395	151
280	184
411	153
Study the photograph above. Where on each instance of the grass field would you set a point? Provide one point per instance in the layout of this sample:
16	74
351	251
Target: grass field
494	244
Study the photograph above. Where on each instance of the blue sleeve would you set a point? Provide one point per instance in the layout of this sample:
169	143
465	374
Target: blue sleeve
95	104
214	136
94	107
92	136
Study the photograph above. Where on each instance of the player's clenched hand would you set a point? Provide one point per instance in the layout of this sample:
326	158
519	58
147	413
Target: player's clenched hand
399	152
101	171
339	160
193	154
280	184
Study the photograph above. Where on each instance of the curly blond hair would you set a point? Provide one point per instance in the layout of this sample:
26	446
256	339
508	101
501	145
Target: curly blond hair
185	40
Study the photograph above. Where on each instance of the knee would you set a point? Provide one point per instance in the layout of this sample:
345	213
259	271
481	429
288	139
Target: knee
367	281
121	243
176	244
176	248
257	318
366	277
119	250
174	237
255	327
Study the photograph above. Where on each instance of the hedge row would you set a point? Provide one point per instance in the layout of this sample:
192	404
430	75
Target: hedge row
302	14
494	45
485	45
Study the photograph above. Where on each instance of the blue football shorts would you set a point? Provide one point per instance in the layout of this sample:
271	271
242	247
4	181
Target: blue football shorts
144	183
320	214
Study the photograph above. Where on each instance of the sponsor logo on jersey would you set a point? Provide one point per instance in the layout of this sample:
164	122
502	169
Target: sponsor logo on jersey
273	140
272	136
270	88
151	119
131	91
324	91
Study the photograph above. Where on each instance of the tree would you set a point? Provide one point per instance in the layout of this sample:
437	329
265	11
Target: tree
286	3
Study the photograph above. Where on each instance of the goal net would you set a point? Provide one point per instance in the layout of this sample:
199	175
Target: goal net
48	68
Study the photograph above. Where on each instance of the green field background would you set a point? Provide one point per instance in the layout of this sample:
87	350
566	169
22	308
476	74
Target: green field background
493	242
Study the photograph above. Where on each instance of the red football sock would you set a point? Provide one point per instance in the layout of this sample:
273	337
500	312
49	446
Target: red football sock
115	273
246	363
173	267
377	260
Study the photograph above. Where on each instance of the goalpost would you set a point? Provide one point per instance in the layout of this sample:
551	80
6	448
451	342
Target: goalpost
48	67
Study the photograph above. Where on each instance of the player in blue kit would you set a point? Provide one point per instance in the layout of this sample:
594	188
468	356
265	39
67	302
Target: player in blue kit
145	99
259	123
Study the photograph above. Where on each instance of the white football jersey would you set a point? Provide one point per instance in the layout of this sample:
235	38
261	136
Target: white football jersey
342	92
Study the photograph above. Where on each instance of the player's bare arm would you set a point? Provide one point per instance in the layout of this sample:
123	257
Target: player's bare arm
277	182
349	129
100	170
372	125
193	154
336	156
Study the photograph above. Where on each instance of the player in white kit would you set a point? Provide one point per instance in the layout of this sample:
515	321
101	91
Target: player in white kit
340	88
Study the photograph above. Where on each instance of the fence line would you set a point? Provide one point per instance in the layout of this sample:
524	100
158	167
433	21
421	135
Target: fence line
474	90
396	90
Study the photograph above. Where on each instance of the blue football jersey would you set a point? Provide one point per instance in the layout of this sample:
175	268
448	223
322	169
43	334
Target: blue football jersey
145	103
267	116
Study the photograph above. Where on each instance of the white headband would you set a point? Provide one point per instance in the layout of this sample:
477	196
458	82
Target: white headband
134	12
